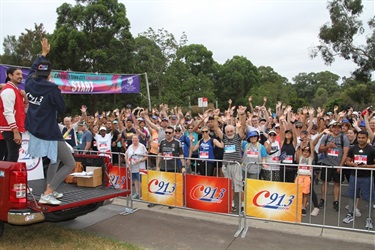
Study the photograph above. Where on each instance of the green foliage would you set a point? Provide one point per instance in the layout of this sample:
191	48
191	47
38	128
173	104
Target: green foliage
339	37
94	36
22	51
235	80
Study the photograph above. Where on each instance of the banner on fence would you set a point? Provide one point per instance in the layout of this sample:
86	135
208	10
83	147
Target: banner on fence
273	200
208	193
163	188
119	177
85	83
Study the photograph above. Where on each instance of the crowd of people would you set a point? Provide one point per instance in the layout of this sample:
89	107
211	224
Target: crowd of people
280	144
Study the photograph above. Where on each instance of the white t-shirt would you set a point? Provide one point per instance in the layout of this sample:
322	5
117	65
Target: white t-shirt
135	155
103	143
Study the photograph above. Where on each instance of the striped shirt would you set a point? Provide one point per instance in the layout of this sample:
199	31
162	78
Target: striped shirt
232	148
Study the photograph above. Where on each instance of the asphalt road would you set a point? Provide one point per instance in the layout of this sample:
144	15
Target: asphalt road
163	228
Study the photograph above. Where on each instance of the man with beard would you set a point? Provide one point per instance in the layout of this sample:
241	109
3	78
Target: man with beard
232	153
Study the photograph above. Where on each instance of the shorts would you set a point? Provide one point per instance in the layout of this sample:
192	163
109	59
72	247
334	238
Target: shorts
363	187
305	182
234	172
136	177
331	175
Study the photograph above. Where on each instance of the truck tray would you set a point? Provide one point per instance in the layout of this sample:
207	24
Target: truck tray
73	195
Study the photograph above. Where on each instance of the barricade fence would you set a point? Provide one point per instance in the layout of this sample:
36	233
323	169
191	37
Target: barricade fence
279	192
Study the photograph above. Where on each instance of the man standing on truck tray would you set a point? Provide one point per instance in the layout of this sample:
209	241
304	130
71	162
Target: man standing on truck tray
45	102
12	113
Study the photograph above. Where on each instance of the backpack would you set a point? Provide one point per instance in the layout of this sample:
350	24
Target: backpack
319	157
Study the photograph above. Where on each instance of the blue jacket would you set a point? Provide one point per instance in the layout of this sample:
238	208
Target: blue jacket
45	102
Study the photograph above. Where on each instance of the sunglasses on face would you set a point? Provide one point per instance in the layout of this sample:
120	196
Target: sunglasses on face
169	132
205	131
298	127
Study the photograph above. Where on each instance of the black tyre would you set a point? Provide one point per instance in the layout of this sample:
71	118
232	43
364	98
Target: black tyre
1	227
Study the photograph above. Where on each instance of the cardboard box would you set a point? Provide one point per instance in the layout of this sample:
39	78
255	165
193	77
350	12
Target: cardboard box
91	181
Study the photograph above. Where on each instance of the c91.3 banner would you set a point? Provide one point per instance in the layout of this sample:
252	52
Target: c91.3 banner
162	188
273	200
208	193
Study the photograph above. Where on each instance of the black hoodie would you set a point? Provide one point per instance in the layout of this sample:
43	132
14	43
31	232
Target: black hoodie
45	102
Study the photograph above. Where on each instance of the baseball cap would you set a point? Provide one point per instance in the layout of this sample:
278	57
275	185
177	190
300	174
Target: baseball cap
102	128
154	117
355	113
272	131
174	117
164	119
44	68
115	122
82	123
329	113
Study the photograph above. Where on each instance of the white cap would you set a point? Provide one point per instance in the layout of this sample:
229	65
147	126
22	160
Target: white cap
102	128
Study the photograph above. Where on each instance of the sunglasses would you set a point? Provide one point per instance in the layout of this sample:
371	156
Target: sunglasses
169	132
177	131
205	131
298	127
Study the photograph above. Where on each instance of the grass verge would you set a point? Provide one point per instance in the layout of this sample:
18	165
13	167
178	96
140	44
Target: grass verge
50	236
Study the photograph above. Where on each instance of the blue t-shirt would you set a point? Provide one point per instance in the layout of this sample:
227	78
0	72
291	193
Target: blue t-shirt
86	137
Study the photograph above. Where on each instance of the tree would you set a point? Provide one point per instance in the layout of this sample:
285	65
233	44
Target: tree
22	51
160	48
339	38
235	80
92	36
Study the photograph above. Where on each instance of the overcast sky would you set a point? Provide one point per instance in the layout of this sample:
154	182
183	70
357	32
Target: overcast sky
268	33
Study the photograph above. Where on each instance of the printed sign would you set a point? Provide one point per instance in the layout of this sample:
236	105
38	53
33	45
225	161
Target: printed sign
34	165
86	83
273	200
208	193
119	177
162	188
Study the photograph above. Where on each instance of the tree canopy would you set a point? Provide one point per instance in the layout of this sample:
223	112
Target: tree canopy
94	36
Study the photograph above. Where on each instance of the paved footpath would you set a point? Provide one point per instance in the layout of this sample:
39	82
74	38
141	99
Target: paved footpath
163	228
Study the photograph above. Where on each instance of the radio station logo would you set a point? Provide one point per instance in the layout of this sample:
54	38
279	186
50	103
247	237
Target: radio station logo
161	187
207	193
266	199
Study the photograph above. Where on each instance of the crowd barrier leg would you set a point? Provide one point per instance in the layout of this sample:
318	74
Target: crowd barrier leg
242	222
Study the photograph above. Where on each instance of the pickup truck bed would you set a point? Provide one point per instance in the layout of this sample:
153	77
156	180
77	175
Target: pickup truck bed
74	196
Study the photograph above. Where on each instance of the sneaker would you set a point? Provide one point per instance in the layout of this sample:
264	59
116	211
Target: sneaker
57	195
135	196
321	203
357	213
315	211
336	206
369	223
347	207
49	199
348	219
303	211
316	181
170	207
150	205
234	209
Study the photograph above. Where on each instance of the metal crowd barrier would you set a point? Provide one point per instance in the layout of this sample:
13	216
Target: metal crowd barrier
210	195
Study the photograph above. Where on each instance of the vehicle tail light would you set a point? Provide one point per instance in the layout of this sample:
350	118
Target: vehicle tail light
18	188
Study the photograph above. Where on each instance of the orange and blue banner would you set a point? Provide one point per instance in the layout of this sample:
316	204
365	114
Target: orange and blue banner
162	188
273	200
208	193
